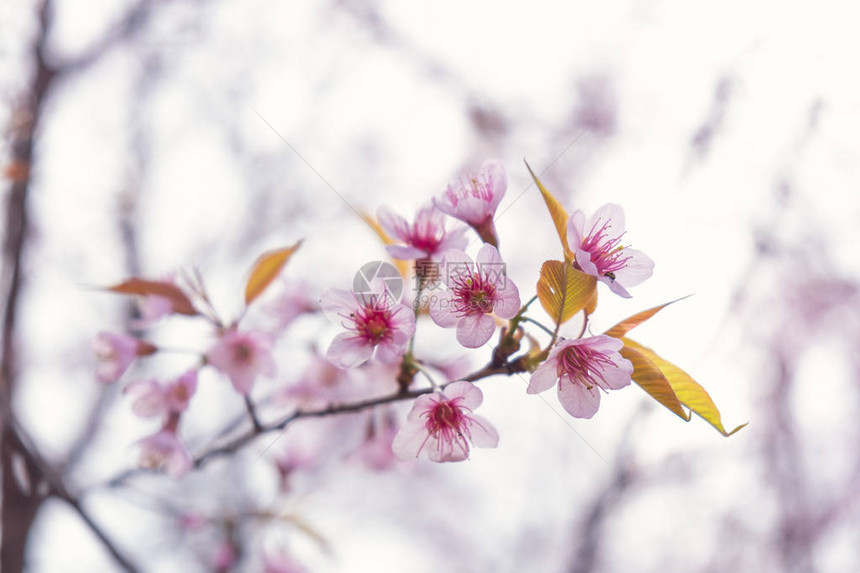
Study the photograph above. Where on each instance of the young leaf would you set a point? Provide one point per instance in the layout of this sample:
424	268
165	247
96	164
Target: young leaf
689	392
563	291
556	211
632	322
142	287
266	269
649	377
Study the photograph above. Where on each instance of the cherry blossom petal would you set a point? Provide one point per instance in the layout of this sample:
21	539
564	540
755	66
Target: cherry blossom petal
405	253
615	287
348	350
455	239
507	303
617	377
639	267
336	303
392	223
583	259
496	176
575	230
482	433
613	215
543	378
442	309
470	396
402	323
475	330
409	441
577	400
149	398
488	255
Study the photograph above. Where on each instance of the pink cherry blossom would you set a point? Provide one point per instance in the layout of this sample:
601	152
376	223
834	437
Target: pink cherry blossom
280	562
374	323
224	556
475	196
116	352
292	300
442	424
242	356
425	238
474	292
164	450
152	398
599	252
582	367
375	452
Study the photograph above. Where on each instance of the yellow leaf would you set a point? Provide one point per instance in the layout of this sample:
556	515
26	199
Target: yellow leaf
556	211
649	377
689	392
563	291
632	322
266	269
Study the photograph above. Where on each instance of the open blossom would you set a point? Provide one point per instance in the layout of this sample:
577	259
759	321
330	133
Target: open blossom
583	367
242	356
152	398
599	252
474	292
425	238
475	196
116	352
164	450
442	424
374	323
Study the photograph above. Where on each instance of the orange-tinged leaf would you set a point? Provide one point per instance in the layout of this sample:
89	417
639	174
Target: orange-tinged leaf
563	291
556	211
649	377
632	322
266	269
142	287
689	392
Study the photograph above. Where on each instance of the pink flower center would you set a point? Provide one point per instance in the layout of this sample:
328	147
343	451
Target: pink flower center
606	254
584	364
373	323
243	352
446	421
473	294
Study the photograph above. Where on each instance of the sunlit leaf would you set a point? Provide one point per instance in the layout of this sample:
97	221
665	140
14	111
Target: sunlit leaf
689	392
266	269
632	322
563	291
556	211
649	377
142	287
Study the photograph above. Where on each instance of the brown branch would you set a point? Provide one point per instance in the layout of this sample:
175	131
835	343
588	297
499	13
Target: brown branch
232	446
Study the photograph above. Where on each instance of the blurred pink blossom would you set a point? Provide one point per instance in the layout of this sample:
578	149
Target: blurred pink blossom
116	352
242	356
425	238
582	367
374	324
164	450
474	292
375	452
152	398
292	300
443	423
599	252
280	562
224	556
